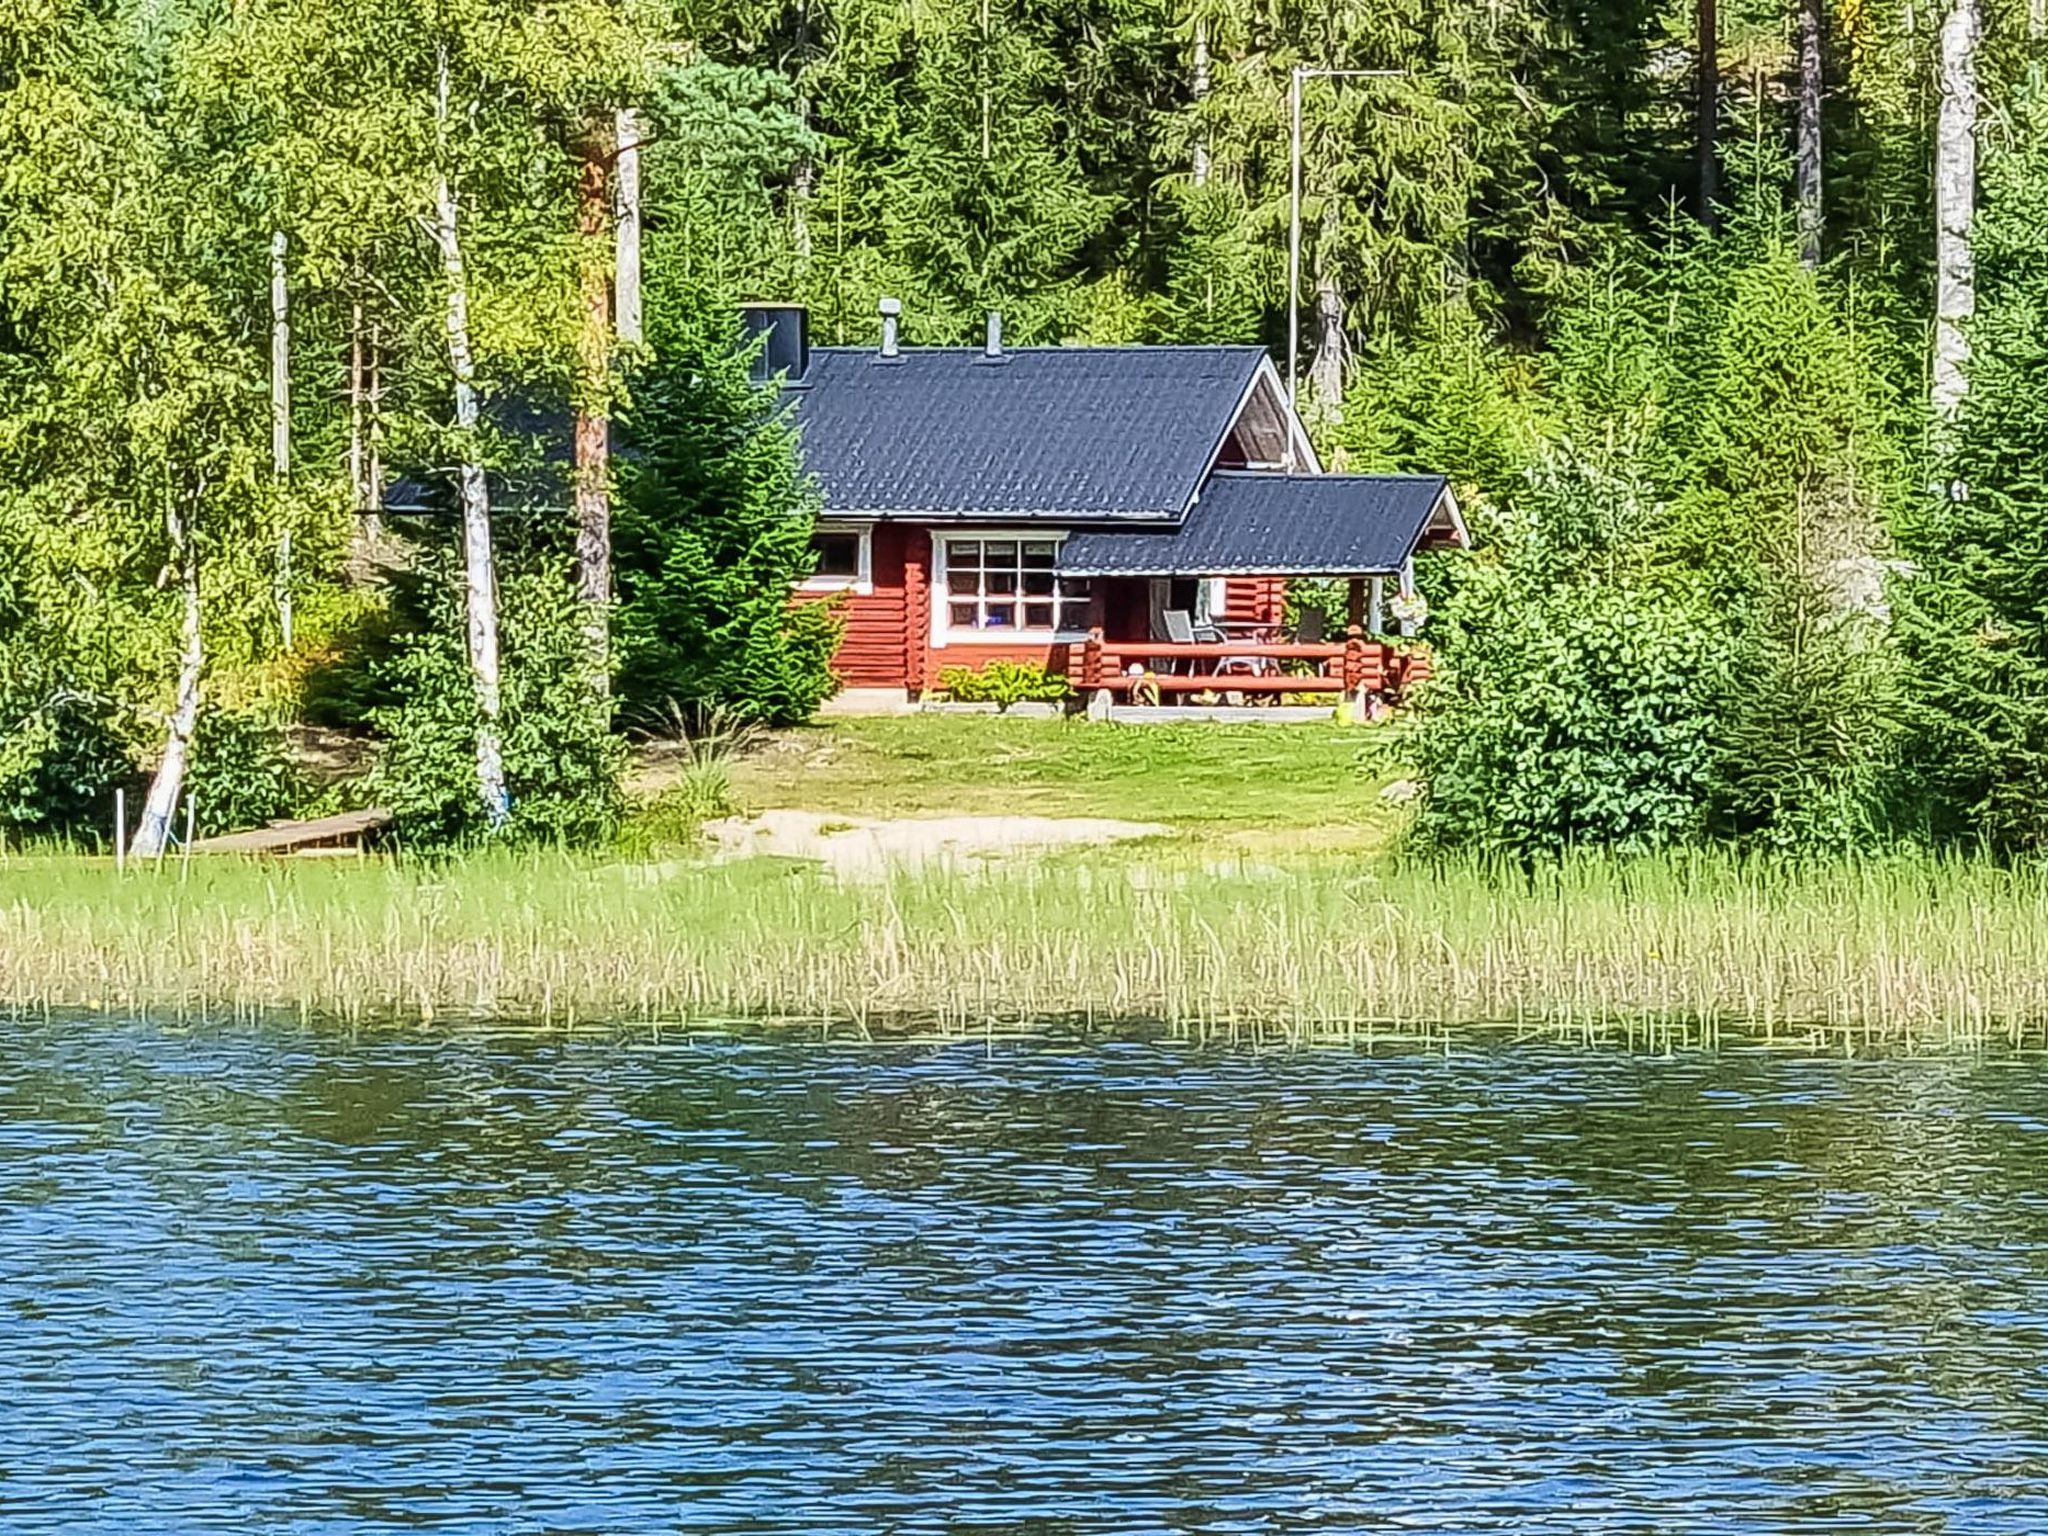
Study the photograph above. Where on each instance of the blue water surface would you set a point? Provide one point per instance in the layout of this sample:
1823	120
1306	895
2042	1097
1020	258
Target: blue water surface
297	1280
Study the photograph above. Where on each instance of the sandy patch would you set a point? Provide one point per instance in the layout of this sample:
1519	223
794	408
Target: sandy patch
854	845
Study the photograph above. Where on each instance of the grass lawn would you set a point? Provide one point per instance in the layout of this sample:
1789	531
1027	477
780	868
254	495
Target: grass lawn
1251	787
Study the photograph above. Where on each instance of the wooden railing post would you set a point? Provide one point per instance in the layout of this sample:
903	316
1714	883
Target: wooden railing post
1354	658
1091	661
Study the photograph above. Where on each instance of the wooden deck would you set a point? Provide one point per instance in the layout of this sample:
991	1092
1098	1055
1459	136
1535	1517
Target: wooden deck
1350	666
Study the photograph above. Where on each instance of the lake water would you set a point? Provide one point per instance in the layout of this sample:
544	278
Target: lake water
280	1280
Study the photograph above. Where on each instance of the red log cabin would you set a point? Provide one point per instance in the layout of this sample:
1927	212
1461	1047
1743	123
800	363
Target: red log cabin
1114	513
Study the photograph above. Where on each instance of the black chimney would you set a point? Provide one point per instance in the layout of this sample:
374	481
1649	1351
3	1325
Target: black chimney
787	349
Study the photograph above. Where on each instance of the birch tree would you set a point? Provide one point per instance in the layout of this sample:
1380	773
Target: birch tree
1955	200
480	582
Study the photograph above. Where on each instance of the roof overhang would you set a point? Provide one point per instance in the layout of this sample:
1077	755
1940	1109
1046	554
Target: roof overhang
1252	524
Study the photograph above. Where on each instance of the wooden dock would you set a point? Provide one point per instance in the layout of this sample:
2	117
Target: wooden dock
350	832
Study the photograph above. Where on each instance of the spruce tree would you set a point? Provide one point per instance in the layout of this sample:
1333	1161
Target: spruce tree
1974	608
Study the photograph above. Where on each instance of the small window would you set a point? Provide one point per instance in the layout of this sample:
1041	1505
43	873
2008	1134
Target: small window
842	560
838	554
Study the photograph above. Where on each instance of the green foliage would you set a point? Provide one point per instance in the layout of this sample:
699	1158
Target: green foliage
1003	683
563	765
1578	716
242	773
1807	743
712	535
1217	273
60	760
1973	608
1445	400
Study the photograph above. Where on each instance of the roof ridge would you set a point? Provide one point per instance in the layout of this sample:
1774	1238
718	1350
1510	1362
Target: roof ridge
912	350
1248	473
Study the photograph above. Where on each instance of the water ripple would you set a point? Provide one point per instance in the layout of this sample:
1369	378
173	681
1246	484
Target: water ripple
281	1281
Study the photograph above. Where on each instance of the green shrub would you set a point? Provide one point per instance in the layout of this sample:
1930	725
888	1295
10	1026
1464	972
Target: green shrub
60	760
1582	717
242	773
1003	683
563	765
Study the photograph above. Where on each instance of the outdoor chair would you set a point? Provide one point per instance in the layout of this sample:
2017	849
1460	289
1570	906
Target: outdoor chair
1310	628
1180	630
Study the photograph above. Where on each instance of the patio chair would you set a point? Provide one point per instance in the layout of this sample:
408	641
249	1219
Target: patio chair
1180	630
1311	627
1241	666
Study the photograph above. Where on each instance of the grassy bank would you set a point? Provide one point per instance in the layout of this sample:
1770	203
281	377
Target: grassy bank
1904	954
1243	788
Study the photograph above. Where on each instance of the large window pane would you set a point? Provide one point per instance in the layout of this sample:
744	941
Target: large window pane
986	578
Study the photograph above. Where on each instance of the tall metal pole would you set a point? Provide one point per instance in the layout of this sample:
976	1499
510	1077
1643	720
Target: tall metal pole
1293	242
1295	76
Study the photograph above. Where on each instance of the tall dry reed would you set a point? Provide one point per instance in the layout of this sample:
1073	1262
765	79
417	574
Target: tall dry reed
1902	953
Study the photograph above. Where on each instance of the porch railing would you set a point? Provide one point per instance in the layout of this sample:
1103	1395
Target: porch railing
1246	666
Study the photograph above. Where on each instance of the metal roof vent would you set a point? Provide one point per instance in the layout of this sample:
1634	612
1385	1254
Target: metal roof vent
992	348
890	310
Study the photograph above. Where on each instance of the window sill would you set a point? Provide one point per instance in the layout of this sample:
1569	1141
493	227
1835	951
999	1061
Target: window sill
826	585
1012	637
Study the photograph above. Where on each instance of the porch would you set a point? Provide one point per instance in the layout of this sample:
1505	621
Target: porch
1154	639
1257	670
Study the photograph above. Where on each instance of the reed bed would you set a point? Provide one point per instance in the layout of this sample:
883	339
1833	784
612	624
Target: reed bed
1901	954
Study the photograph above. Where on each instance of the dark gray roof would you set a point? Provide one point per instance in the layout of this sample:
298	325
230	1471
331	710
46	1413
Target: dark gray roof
1252	523
1066	432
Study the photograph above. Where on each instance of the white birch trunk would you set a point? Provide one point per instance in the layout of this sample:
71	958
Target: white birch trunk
626	278
480	581
168	786
1332	345
1198	88
1955	201
281	424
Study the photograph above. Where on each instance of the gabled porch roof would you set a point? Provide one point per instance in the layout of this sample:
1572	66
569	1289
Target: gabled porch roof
1251	523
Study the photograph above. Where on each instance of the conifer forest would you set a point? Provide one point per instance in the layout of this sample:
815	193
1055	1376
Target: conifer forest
1727	319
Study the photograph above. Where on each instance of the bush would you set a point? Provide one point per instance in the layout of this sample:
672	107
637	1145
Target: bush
60	760
242	773
563	765
1578	718
1003	683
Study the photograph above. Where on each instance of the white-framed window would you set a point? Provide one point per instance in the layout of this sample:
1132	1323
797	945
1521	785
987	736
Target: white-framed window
996	585
846	558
